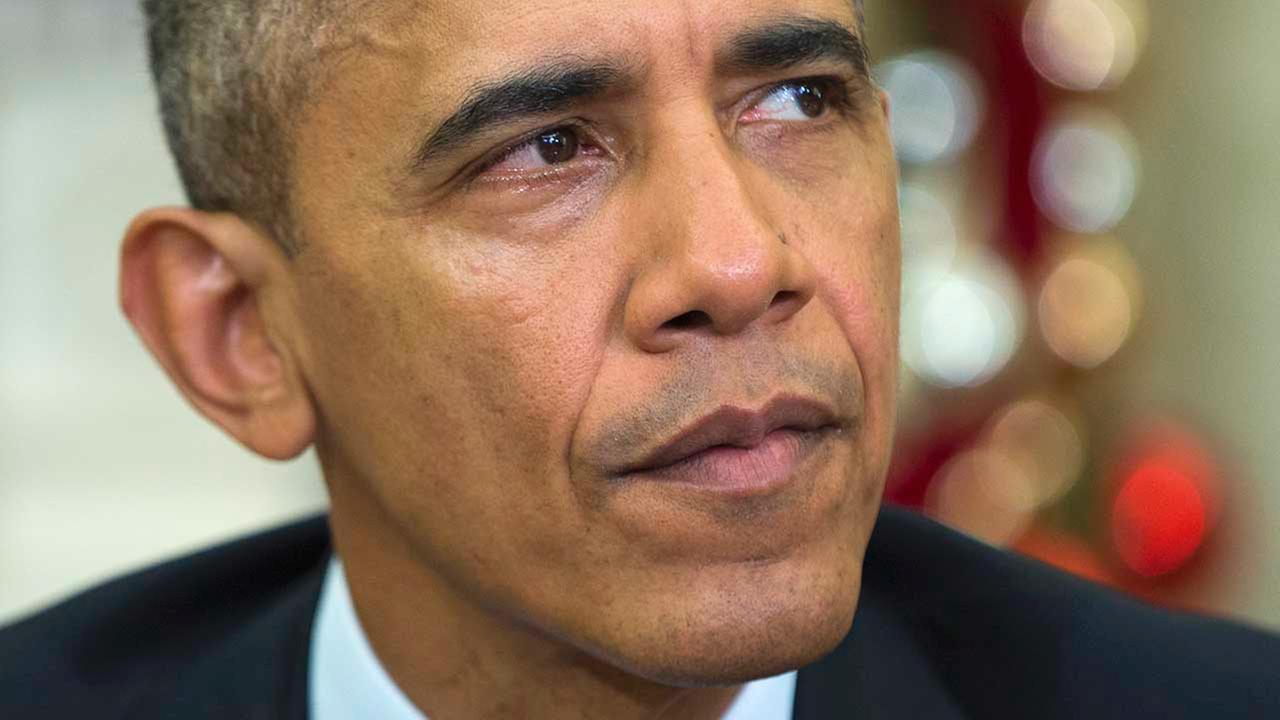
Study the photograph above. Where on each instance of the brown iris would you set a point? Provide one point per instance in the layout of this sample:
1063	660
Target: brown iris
810	99
557	146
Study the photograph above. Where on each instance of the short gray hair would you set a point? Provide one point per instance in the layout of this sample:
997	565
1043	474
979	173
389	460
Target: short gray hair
229	75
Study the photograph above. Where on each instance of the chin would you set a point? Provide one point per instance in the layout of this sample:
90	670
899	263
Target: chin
780	619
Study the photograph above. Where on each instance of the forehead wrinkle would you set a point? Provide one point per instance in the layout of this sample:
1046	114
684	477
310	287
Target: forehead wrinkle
356	30
690	32
437	39
384	31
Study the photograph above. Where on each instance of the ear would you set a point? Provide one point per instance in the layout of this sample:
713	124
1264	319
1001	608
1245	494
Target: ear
197	287
886	106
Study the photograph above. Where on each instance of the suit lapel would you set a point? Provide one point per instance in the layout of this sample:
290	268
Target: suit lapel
258	668
260	671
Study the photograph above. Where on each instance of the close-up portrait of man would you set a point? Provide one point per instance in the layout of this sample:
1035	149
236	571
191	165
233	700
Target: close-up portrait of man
590	313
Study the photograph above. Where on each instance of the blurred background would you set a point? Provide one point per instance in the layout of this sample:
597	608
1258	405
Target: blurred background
1091	286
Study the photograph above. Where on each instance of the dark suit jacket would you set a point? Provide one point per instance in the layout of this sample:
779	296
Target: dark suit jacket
945	628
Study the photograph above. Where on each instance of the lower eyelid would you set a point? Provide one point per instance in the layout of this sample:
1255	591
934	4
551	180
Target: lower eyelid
508	155
550	175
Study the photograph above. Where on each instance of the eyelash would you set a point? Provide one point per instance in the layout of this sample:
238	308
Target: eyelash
576	126
835	92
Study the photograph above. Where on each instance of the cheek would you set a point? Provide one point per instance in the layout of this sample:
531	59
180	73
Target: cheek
525	334
456	374
859	269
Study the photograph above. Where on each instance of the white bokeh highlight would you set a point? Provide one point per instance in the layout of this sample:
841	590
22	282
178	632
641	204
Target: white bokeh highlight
936	105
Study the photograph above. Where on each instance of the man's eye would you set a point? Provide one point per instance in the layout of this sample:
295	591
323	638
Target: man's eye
553	147
793	101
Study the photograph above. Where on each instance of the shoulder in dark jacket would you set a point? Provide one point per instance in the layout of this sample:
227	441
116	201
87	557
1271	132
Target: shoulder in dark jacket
946	628
1011	637
223	633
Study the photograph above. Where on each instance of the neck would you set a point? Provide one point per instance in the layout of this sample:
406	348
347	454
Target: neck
455	658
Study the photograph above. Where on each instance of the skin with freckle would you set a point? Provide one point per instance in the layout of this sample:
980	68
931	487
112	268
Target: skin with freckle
486	341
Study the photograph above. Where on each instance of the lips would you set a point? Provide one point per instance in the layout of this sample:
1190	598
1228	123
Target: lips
732	436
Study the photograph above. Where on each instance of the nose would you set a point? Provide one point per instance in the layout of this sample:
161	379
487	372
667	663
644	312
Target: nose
718	264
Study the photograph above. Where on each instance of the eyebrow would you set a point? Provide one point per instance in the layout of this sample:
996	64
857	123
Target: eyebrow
791	42
537	91
560	83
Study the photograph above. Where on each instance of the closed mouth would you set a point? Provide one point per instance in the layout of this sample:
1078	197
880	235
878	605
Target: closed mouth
784	421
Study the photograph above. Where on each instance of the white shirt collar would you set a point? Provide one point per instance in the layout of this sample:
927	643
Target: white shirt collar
347	682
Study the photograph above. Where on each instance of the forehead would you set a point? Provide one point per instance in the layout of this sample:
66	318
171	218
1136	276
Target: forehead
459	42
396	68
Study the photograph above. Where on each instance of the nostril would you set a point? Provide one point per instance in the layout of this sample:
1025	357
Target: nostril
688	321
783	297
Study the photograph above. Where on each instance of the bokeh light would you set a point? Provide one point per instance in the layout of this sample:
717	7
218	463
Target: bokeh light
1084	44
984	493
1158	520
1166	501
936	105
1085	172
929	239
928	231
1044	441
962	329
1032	213
1089	302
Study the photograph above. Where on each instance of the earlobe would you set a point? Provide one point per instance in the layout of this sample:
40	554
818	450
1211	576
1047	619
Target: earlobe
194	286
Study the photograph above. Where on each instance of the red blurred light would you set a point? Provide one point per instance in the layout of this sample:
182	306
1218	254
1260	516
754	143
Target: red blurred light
1160	515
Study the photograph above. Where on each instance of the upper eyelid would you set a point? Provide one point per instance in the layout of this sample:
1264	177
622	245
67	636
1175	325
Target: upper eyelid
577	125
837	92
840	87
830	82
777	88
490	159
507	151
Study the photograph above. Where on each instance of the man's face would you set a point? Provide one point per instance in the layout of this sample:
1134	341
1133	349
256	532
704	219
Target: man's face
534	328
